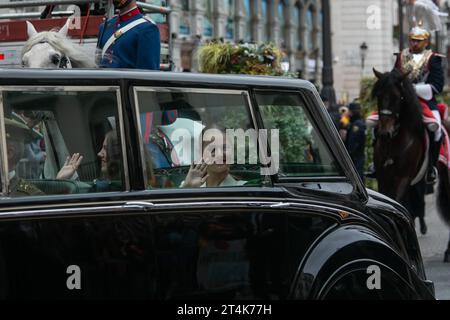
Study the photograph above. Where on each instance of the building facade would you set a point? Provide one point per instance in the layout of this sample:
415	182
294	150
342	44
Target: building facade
293	25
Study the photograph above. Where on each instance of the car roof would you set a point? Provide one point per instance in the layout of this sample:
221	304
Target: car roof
133	74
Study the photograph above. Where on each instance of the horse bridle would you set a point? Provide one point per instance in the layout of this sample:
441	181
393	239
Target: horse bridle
64	61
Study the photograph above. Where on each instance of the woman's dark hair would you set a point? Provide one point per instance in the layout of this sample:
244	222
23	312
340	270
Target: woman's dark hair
113	155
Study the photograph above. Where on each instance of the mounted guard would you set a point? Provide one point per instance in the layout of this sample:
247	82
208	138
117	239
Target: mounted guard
425	70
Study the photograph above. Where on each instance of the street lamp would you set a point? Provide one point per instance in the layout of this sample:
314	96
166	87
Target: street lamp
363	53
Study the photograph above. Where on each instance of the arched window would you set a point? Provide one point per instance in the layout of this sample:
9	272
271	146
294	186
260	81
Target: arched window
229	34
282	14
264	21
298	22
310	27
248	10
207	19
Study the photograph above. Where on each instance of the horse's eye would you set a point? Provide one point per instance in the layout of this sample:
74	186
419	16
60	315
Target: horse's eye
55	58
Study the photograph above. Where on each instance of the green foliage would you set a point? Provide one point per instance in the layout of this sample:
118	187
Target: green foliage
263	59
368	105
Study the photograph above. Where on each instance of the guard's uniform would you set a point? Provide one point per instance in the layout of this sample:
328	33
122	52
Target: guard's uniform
426	68
136	48
355	143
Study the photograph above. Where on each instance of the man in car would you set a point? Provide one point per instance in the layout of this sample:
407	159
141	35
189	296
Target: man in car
17	134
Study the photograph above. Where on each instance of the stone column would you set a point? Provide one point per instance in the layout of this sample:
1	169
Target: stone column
289	35
256	22
274	23
220	16
174	26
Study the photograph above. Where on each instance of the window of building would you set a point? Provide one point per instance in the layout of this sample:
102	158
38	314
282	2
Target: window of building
264	21
310	27
298	22
185	28
208	28
230	8
185	5
63	141
282	21
248	12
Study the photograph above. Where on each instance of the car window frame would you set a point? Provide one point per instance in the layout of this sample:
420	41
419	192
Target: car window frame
322	122
311	118
152	88
61	88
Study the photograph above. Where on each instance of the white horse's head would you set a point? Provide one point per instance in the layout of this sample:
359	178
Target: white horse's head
52	49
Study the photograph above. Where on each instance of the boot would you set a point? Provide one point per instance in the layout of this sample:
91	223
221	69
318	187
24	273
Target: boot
423	226
433	156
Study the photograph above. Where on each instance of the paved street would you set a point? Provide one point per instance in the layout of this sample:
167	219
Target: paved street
433	245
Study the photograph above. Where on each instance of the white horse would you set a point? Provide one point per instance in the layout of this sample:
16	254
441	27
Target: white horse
52	49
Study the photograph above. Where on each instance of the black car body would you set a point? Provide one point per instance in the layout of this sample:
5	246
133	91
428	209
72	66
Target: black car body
309	231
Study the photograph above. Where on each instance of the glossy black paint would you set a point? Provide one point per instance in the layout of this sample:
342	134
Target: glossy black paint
296	240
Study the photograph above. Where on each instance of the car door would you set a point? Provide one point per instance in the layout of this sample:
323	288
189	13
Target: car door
67	227
244	238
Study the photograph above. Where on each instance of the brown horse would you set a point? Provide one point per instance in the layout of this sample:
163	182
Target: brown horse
399	150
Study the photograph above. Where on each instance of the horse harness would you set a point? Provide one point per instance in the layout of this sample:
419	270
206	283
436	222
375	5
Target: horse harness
64	61
389	113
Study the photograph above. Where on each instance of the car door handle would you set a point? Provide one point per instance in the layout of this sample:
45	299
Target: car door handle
143	205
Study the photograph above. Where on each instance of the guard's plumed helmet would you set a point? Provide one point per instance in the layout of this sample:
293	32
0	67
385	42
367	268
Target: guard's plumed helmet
419	33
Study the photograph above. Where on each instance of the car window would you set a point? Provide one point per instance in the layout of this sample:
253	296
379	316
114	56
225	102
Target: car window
62	141
174	124
302	151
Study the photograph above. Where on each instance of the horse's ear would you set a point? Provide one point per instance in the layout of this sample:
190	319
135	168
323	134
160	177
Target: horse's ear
31	31
63	31
378	74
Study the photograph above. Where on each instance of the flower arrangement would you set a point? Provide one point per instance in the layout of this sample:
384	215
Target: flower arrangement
263	59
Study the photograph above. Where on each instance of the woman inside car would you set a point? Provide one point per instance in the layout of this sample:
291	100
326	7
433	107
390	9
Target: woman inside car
213	170
110	156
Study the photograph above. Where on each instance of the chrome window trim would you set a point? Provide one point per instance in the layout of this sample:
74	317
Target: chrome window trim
137	89
62	88
3	167
134	207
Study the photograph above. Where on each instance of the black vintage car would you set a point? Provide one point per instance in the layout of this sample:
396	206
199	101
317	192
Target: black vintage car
143	215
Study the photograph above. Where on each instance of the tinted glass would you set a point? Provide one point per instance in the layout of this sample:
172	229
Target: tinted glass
62	142
173	123
302	152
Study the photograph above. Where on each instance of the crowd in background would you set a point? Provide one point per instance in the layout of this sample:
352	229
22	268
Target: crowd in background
351	126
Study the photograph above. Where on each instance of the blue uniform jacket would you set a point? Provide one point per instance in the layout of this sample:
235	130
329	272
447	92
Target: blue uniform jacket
138	48
355	143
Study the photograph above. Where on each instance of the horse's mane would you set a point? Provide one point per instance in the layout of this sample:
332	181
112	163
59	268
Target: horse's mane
78	57
410	110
